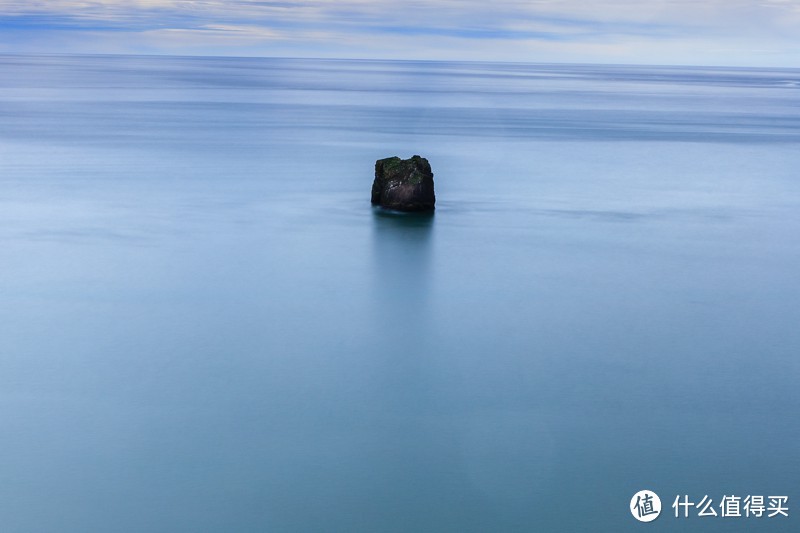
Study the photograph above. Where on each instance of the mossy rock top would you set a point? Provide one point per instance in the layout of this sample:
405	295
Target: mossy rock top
403	184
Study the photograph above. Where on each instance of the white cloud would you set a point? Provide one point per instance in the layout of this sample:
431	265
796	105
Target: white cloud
573	30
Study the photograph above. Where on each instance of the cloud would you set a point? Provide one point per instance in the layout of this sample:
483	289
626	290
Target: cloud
591	30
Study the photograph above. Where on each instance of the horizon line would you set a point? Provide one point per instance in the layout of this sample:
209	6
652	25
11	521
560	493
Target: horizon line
392	60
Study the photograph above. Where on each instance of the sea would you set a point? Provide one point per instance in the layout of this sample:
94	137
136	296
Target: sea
205	326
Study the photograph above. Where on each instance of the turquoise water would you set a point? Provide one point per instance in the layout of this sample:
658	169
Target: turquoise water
204	325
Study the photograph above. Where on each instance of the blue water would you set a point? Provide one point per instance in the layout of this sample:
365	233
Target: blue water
205	327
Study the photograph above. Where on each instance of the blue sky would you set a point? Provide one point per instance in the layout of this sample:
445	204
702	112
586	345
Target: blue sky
710	32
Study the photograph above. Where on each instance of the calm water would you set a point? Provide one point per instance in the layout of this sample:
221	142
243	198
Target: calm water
205	327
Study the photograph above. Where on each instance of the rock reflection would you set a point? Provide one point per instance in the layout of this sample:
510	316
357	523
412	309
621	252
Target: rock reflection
402	251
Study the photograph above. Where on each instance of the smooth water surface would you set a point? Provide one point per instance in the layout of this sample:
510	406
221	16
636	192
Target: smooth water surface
205	327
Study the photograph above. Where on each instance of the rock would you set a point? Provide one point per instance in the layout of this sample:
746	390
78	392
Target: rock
403	184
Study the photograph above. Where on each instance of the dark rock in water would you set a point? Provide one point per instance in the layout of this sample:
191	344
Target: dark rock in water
403	184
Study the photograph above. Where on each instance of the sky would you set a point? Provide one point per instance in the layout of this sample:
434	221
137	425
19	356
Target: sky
683	32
